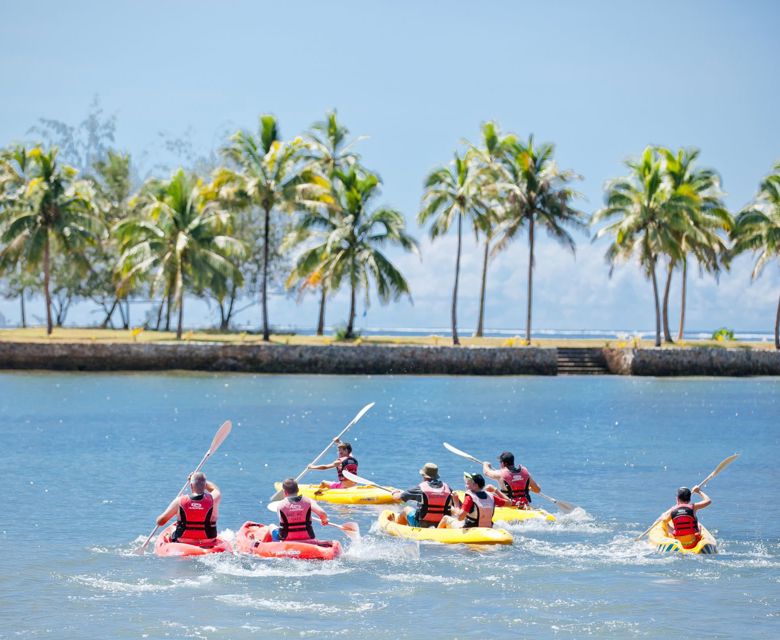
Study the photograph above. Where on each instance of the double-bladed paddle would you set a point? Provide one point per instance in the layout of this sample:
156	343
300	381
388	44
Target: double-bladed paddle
715	472
352	423
219	437
566	507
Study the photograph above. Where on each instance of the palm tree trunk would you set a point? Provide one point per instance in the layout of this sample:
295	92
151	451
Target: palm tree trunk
657	305
24	315
455	340
159	315
530	279
264	293
351	322
46	275
321	318
126	315
681	332
777	326
481	321
667	288
168	306
109	313
180	304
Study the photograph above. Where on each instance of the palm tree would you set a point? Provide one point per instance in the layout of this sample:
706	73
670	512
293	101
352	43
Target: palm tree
637	208
757	229
47	212
537	193
352	248
178	238
271	175
452	193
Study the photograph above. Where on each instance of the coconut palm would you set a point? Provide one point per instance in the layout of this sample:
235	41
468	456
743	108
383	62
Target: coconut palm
271	175
537	193
452	193
757	229
179	239
47	212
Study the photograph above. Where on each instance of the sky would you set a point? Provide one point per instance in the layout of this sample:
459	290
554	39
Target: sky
599	80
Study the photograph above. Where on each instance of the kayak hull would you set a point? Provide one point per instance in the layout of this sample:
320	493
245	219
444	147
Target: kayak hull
664	543
361	494
255	539
164	547
513	514
475	535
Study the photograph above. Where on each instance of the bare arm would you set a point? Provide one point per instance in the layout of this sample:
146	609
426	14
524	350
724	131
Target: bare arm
490	472
322	467
706	502
171	511
533	486
319	511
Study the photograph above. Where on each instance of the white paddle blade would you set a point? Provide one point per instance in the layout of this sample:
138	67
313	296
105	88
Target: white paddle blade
219	437
460	453
719	468
360	480
273	506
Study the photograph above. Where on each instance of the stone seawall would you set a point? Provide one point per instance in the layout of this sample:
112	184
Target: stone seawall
693	362
273	358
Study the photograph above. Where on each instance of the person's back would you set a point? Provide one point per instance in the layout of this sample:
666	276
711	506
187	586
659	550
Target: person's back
295	513
196	521
681	522
433	498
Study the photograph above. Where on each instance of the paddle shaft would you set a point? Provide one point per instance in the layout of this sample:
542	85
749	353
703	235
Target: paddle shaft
351	476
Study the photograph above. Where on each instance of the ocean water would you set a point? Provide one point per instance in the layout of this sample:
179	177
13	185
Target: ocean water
88	461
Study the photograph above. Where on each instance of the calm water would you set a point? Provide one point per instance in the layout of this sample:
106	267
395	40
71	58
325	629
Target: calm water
88	461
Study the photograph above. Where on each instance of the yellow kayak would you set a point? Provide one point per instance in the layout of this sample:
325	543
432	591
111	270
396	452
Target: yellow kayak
667	544
361	494
513	514
474	535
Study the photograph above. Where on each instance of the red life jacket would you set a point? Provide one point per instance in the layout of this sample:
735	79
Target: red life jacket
194	521
684	522
481	514
436	502
295	519
514	483
347	463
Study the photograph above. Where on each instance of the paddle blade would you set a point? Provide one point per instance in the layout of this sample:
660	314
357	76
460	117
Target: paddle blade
360	480
360	414
351	529
273	506
719	468
219	437
460	453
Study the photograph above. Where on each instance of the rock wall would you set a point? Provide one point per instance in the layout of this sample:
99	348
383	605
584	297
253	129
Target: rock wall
710	361
343	359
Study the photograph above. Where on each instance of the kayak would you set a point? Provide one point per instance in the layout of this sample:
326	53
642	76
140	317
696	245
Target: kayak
164	546
360	494
255	538
474	535
667	544
513	514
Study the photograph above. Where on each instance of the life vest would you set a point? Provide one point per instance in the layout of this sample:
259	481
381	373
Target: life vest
684	522
481	514
515	482
347	463
295	519
194	521
435	504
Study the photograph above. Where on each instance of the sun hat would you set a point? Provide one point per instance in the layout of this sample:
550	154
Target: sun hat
430	470
476	478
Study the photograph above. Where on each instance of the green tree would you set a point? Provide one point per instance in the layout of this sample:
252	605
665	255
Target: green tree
757	229
179	238
537	193
47	212
451	194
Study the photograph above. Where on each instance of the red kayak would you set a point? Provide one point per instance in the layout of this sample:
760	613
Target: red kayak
256	539
164	546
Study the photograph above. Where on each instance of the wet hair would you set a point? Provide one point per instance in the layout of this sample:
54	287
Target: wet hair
198	482
290	487
508	458
345	445
684	494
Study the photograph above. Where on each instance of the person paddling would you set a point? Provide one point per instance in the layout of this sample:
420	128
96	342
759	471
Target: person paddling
515	482
478	505
197	513
434	499
346	461
682	517
295	515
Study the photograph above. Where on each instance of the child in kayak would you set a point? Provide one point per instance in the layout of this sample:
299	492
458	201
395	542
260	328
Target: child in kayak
197	513
434	500
515	482
682	517
478	505
295	515
345	462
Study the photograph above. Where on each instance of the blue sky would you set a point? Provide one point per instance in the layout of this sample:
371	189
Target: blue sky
600	80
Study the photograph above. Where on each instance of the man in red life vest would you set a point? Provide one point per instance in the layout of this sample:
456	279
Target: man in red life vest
295	515
515	482
682	517
345	462
434	499
478	505
197	513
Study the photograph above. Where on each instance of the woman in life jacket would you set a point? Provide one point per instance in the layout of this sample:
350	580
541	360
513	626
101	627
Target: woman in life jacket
196	521
478	505
345	462
680	521
434	499
295	515
515	482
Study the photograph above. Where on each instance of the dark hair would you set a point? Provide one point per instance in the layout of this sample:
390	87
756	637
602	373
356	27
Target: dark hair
477	479
684	494
290	486
508	458
345	445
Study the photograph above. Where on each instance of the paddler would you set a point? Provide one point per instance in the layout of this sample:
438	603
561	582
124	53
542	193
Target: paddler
434	499
515	482
478	505
295	515
682	517
345	462
197	512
